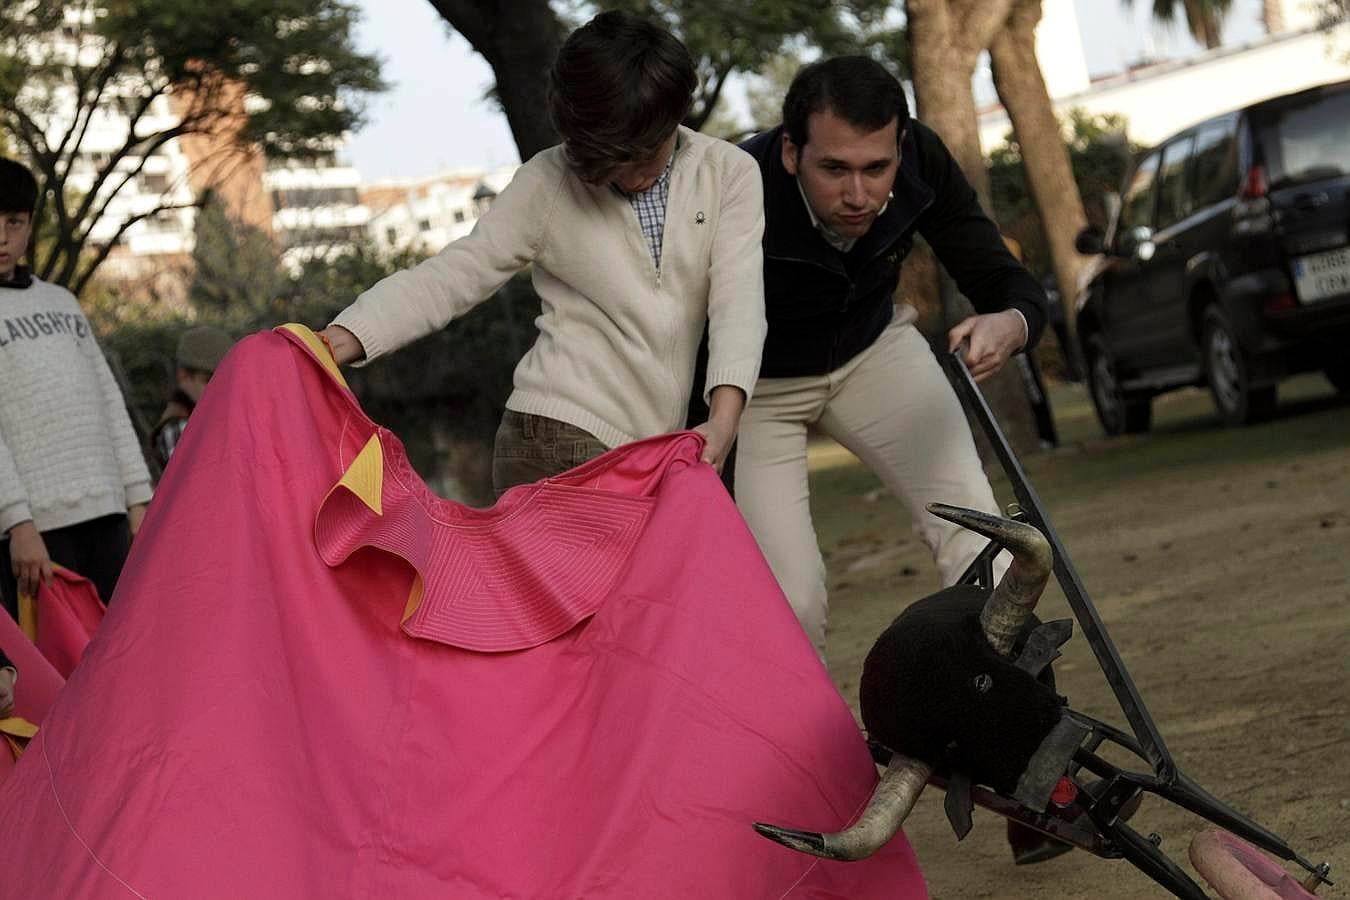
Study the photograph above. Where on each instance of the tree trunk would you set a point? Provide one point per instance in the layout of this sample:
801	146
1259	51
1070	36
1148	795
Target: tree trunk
519	39
1272	16
1203	23
1021	87
945	40
944	62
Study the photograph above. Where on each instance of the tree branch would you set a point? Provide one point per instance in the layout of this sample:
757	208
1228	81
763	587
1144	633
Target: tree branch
78	241
700	117
474	20
131	142
79	284
109	70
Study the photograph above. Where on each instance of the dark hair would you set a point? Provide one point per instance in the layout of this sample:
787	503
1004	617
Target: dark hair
618	88
857	89
18	187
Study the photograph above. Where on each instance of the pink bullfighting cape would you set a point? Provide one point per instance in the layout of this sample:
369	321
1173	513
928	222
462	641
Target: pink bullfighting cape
318	679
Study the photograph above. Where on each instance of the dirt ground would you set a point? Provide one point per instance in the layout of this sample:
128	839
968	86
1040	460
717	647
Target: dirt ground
1220	562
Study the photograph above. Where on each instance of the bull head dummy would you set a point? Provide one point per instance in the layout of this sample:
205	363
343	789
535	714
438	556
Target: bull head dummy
941	690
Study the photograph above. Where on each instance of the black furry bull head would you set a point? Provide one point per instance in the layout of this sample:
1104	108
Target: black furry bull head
940	689
932	688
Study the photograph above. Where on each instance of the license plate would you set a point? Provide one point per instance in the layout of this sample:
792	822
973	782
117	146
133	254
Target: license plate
1321	276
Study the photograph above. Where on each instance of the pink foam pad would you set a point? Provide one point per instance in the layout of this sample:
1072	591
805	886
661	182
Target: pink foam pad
1239	871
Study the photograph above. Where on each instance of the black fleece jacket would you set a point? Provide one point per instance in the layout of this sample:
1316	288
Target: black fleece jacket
824	306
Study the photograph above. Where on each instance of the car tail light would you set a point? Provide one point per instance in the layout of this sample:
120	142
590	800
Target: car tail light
1280	303
1254	186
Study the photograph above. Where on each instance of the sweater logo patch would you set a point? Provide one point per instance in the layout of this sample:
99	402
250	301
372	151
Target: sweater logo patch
700	218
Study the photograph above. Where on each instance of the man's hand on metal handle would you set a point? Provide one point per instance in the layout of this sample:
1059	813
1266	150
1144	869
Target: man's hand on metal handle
990	340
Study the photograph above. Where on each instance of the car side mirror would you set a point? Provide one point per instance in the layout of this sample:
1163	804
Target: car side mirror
1090	241
1142	240
1137	244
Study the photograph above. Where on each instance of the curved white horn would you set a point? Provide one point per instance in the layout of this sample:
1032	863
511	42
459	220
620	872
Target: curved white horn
1011	603
894	797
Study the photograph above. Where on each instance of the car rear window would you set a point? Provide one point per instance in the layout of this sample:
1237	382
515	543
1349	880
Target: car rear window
1215	175
1309	141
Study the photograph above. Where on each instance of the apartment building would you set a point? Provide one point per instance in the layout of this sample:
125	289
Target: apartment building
423	215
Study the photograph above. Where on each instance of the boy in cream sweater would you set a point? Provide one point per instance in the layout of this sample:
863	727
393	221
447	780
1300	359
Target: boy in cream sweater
73	483
640	231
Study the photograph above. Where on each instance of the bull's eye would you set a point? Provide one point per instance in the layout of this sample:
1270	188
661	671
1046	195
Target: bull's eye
983	683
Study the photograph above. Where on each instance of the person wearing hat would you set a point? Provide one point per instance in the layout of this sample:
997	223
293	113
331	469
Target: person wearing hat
200	350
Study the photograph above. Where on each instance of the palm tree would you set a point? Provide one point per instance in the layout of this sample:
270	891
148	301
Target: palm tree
1272	16
1021	88
945	39
1204	18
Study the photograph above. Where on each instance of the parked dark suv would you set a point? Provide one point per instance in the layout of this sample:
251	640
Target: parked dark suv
1227	263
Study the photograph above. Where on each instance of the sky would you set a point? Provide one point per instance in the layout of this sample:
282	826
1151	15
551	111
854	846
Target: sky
434	116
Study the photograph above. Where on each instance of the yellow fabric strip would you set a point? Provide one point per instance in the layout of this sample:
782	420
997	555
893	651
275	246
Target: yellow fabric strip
16	733
414	598
18	727
365	476
28	616
321	352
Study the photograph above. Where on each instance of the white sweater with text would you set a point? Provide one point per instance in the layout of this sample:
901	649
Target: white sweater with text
68	453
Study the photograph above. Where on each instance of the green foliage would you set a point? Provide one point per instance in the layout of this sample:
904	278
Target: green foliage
62	64
1204	18
749	36
236	266
1099	154
452	386
1332	15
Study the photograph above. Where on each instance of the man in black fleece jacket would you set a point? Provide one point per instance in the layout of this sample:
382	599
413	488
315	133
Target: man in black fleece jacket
849	179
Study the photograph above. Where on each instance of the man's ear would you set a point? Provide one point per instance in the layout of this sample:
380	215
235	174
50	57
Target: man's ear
791	154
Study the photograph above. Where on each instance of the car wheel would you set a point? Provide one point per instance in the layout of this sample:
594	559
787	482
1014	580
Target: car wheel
1229	372
1338	374
1118	412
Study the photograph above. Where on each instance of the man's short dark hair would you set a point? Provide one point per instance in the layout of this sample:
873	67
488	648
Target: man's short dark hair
18	187
857	89
618	88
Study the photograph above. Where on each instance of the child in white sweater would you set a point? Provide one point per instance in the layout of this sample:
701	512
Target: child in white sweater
639	232
73	482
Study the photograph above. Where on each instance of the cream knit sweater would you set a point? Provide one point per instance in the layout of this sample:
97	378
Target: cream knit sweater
68	453
617	337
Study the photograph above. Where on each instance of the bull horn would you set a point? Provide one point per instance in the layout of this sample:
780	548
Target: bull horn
1001	620
1011	603
894	797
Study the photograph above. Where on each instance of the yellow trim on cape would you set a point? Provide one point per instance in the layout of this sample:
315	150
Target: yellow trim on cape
317	347
28	610
16	733
414	596
28	616
18	727
365	476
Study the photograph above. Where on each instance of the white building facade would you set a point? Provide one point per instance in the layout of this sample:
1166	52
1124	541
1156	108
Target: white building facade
424	215
1160	99
317	211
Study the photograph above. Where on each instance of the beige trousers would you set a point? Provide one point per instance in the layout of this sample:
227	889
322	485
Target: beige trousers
893	408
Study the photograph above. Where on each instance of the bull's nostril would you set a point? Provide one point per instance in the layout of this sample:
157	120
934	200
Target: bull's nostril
983	683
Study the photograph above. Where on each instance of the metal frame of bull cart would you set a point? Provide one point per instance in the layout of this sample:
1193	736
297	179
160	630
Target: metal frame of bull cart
1090	821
